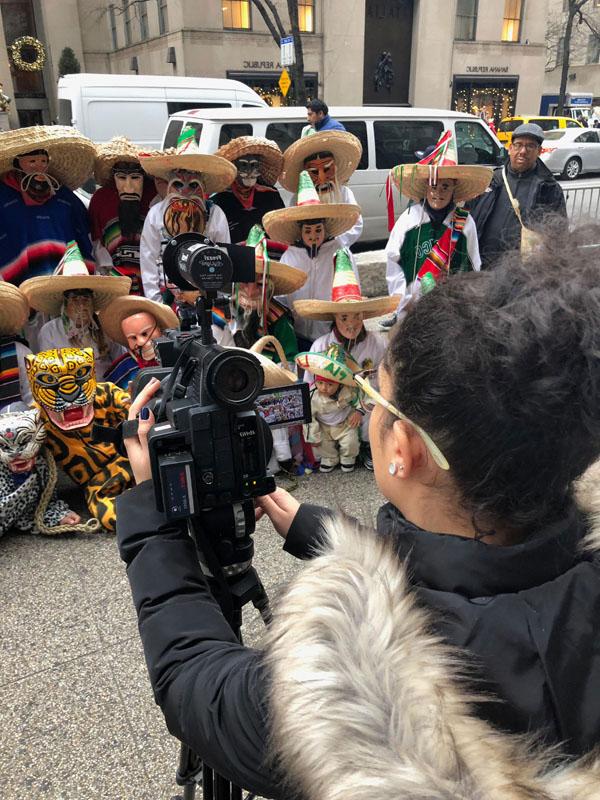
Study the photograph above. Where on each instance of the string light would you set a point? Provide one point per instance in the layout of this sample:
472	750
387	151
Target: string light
500	101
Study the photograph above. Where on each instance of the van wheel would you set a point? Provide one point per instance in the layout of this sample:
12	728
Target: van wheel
572	169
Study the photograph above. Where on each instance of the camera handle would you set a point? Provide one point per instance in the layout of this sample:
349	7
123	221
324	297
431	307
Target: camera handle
232	594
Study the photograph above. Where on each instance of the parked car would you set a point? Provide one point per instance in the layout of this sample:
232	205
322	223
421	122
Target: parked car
138	106
571	152
509	124
389	136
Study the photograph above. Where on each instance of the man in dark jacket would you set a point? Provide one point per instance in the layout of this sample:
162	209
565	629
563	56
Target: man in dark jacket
532	185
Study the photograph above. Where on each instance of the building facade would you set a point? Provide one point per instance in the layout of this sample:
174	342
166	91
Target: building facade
473	55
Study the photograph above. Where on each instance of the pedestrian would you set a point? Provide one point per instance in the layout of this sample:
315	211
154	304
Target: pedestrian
317	113
436	235
486	419
520	197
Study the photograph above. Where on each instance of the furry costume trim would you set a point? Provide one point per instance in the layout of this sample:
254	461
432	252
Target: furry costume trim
367	703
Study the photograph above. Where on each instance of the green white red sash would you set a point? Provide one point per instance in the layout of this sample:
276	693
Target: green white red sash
437	263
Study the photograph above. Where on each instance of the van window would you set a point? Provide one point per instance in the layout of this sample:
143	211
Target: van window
176	107
284	133
509	125
232	131
172	134
475	145
65	112
397	141
359	129
545	124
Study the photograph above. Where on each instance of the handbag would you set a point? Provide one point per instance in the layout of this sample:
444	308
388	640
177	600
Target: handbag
530	240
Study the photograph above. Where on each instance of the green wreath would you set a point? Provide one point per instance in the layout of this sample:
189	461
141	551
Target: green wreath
16	51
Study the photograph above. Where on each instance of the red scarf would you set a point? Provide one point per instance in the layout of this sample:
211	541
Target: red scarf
246	202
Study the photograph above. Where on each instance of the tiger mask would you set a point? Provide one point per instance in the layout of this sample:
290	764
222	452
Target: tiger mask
22	434
63	383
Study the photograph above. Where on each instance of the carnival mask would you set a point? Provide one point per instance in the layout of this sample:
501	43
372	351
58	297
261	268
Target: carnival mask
22	434
78	306
129	180
250	295
313	235
141	330
322	170
35	181
349	324
248	170
63	383
186	207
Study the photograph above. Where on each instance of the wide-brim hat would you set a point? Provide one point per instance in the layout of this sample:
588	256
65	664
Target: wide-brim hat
344	147
71	154
46	293
413	180
274	374
283	224
119	149
286	279
327	309
333	365
14	309
271	157
120	308
218	173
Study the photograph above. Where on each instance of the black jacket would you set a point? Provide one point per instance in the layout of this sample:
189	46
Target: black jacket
529	614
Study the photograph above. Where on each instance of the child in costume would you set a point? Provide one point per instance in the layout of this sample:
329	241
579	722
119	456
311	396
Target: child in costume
81	419
73	297
191	176
14	310
335	407
311	228
252	194
346	311
28	499
435	236
135	323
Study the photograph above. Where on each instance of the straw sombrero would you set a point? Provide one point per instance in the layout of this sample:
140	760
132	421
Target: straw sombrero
283	224
345	148
286	279
46	293
14	309
275	374
271	157
125	306
346	296
110	153
412	180
335	364
218	173
71	154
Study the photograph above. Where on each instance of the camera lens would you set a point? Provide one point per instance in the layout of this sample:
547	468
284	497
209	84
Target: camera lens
235	379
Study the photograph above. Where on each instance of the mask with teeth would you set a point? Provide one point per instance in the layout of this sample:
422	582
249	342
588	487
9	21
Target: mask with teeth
22	434
248	169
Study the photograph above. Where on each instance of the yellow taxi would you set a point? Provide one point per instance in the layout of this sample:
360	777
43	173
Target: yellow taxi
509	124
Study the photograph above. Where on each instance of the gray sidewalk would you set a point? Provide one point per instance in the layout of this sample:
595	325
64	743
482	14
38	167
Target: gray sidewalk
78	718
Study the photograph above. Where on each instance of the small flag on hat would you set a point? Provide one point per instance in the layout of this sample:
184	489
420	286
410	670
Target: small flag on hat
345	282
307	194
72	262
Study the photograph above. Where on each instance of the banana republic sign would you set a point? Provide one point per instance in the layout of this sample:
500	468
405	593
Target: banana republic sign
261	65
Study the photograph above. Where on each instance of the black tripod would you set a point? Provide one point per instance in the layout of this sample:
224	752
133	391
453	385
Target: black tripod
233	586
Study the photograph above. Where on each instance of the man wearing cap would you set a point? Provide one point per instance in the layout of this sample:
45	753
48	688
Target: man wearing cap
118	209
252	194
531	184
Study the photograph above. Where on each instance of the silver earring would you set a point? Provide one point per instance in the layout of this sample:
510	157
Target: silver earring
394	468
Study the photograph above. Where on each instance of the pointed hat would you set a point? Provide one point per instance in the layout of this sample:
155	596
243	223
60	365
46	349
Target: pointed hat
335	365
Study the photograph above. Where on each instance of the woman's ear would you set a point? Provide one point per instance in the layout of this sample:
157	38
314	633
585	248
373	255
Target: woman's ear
408	449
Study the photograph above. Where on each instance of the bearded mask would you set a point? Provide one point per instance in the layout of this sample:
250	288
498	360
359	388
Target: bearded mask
63	383
22	434
35	180
322	170
129	183
186	206
313	234
248	168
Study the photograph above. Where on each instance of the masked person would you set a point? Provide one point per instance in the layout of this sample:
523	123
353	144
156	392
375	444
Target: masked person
135	323
73	297
436	236
118	209
39	213
314	231
330	158
252	194
14	310
191	176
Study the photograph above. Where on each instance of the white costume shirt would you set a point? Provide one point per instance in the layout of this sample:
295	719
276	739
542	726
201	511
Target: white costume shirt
318	286
353	235
154	238
414	216
53	335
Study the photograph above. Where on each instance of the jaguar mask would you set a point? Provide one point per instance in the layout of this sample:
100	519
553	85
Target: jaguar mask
63	382
22	434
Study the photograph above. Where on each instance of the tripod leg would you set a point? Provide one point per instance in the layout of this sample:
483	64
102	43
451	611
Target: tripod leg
208	789
189	791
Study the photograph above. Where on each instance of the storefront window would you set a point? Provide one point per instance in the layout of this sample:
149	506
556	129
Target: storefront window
236	15
306	16
489	99
511	27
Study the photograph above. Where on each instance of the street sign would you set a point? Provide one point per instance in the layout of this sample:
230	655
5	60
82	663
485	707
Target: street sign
284	82
288	55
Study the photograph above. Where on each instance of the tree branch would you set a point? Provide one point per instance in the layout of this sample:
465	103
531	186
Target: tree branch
268	21
276	17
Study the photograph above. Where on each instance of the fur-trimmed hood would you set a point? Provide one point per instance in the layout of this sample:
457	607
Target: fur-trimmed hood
369	704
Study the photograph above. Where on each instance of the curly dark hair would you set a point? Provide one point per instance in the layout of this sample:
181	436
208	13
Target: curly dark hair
502	369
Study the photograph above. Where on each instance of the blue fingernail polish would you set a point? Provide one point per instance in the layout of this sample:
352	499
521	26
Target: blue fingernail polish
145	413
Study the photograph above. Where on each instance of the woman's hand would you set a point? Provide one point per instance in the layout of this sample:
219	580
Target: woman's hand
137	446
280	507
70	518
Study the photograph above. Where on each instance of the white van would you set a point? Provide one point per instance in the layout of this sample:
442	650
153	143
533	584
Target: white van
389	136
138	106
